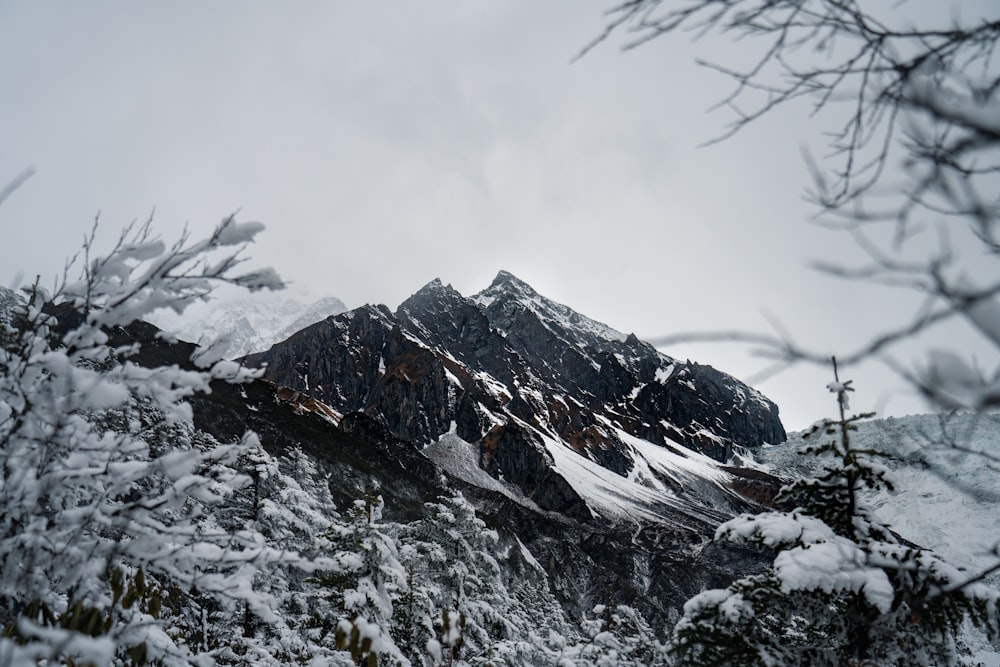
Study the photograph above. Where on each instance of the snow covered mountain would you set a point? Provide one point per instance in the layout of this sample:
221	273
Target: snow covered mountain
568	414
944	469
604	457
246	325
946	495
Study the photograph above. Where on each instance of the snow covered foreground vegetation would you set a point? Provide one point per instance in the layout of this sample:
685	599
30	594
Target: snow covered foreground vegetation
843	588
128	536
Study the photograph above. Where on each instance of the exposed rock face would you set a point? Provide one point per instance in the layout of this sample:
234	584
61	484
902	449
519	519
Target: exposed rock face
513	454
701	407
517	374
338	360
510	346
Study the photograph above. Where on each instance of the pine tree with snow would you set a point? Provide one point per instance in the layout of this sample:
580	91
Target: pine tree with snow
482	600
288	503
616	636
843	589
412	625
460	555
359	594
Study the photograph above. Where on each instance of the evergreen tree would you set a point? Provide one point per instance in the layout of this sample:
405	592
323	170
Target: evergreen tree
288	503
484	600
842	589
617	636
360	592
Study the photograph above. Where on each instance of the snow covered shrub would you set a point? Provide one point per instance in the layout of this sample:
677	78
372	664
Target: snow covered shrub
356	598
843	589
102	527
617	636
478	599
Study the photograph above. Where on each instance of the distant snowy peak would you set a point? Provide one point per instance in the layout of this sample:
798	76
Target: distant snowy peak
318	310
242	326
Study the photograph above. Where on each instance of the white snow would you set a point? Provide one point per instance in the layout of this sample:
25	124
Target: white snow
663	373
641	495
494	386
460	459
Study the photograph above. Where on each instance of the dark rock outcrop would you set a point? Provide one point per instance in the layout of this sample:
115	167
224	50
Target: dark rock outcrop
514	454
443	358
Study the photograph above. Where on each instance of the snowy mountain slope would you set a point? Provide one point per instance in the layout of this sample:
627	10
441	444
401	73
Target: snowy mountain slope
665	487
946	499
946	496
237	327
697	484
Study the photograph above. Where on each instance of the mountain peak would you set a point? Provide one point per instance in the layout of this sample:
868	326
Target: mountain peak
506	280
434	297
434	288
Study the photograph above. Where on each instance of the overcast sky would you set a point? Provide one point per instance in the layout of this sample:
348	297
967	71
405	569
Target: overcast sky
388	143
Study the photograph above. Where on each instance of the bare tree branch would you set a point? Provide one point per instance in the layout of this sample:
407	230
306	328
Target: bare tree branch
19	180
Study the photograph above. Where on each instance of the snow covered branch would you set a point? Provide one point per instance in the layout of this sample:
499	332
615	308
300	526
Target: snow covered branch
100	470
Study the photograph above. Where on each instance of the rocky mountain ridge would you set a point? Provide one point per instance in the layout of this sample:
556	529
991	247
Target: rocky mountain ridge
573	416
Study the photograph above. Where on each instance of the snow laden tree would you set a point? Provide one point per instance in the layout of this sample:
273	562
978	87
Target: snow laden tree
441	590
357	597
481	602
457	555
843	589
286	501
615	636
101	530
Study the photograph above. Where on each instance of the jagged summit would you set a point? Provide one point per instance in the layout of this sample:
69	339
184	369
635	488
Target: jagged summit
435	289
507	281
430	306
511	304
